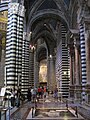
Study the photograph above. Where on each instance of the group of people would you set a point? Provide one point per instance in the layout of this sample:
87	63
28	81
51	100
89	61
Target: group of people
33	94
15	97
36	93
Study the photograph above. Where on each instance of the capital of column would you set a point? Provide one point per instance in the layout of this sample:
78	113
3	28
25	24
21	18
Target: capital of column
28	36
32	50
21	10
76	42
51	57
75	37
72	37
69	38
16	8
24	35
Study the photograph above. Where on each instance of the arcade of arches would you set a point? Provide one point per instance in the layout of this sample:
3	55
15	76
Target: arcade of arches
46	42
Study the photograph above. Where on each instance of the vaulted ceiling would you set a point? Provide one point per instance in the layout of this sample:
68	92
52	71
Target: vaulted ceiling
42	17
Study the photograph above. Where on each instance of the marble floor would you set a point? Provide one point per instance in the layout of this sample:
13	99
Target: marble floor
45	109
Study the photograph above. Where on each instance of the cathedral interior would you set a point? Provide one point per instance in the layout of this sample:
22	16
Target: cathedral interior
47	43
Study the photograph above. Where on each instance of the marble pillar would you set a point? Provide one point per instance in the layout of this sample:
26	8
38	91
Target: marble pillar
87	45
14	42
31	68
71	89
77	64
36	74
83	60
48	75
25	62
51	73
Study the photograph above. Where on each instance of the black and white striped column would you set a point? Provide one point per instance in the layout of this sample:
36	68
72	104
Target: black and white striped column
31	68
65	64
14	44
62	65
36	72
83	59
25	63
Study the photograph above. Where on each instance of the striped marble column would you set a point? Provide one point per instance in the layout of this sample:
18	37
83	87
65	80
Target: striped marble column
83	60
62	63
71	89
36	70
36	74
87	45
51	73
14	44
31	68
65	64
25	63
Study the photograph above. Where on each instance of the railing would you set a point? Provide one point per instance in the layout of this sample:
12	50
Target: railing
3	108
74	106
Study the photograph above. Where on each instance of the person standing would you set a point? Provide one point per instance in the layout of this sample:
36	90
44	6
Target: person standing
33	92
40	92
29	95
18	97
55	92
12	97
45	90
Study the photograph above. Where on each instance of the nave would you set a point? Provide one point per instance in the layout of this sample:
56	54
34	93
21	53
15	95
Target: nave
46	43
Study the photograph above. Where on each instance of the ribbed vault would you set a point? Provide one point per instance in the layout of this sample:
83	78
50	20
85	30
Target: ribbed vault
42	17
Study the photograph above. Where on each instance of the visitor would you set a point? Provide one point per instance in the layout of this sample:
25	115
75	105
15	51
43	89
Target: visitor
40	92
18	97
45	91
12	92
29	95
33	93
55	92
